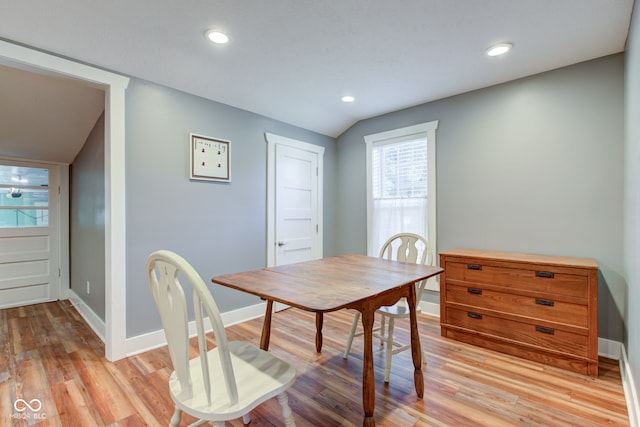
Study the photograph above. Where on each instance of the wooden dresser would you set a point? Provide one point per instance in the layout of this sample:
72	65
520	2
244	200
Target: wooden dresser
542	308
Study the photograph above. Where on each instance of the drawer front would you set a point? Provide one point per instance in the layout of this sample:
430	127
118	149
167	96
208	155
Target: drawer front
540	308
544	279
537	335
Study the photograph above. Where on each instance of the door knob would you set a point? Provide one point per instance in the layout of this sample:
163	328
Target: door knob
281	243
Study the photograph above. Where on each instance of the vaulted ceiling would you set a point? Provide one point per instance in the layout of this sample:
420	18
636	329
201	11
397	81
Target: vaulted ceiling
292	60
45	117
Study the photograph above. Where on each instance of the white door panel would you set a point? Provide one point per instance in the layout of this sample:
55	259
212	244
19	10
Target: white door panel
26	274
24	295
26	241
296	205
294	211
29	266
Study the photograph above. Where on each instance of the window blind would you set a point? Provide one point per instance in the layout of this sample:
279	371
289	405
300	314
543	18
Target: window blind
400	170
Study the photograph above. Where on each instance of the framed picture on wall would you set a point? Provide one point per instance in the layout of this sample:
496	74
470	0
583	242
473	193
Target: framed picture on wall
209	158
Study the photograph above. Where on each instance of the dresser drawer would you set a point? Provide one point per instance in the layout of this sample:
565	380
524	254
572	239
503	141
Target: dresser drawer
541	279
541	308
527	333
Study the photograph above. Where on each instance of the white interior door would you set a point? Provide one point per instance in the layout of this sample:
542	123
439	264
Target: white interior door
297	228
294	181
29	251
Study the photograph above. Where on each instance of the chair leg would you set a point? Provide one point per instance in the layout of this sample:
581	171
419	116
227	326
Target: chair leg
354	325
389	352
424	355
383	333
286	410
246	419
175	419
219	424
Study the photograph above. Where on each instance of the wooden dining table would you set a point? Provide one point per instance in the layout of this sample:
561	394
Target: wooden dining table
357	282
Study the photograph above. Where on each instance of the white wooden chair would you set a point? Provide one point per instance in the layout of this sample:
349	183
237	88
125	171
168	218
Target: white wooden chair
405	247
221	384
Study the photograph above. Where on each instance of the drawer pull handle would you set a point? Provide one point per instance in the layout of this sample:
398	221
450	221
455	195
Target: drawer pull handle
544	330
545	274
474	267
546	302
474	315
474	291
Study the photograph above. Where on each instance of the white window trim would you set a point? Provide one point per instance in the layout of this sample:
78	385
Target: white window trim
427	129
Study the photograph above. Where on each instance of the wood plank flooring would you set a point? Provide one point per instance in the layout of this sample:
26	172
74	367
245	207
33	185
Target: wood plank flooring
48	353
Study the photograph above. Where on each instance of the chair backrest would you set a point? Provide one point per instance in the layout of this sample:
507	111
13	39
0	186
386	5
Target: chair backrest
164	269
408	247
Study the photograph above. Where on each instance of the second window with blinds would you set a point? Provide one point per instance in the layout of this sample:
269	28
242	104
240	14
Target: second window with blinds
401	184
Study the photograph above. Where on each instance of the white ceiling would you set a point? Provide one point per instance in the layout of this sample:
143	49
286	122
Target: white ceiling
45	117
292	60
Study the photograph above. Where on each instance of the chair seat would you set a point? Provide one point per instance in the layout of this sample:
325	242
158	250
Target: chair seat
403	247
225	382
397	311
259	377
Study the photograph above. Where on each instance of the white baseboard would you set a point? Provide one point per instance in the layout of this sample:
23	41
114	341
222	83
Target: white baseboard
430	308
155	339
151	340
616	350
89	316
629	387
609	348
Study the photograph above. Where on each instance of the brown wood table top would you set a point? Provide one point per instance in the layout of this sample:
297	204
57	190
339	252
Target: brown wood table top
328	284
358	282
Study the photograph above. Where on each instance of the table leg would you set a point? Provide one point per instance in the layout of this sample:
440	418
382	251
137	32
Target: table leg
266	327
319	321
368	380
416	351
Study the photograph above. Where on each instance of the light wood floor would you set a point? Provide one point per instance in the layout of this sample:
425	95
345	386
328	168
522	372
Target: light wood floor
49	354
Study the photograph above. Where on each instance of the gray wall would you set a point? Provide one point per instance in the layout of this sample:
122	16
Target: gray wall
218	227
86	221
632	197
533	165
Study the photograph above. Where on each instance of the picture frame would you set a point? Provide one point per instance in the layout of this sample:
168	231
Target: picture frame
209	158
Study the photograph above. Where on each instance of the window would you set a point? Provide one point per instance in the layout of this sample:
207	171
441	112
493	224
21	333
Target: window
24	196
401	184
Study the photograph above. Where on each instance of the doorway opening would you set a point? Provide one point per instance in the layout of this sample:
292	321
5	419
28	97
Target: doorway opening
114	87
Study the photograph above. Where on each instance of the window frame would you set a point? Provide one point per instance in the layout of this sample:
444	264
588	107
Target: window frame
40	210
422	130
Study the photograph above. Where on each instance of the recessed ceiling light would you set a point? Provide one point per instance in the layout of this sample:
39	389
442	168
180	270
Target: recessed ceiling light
348	98
499	49
216	37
